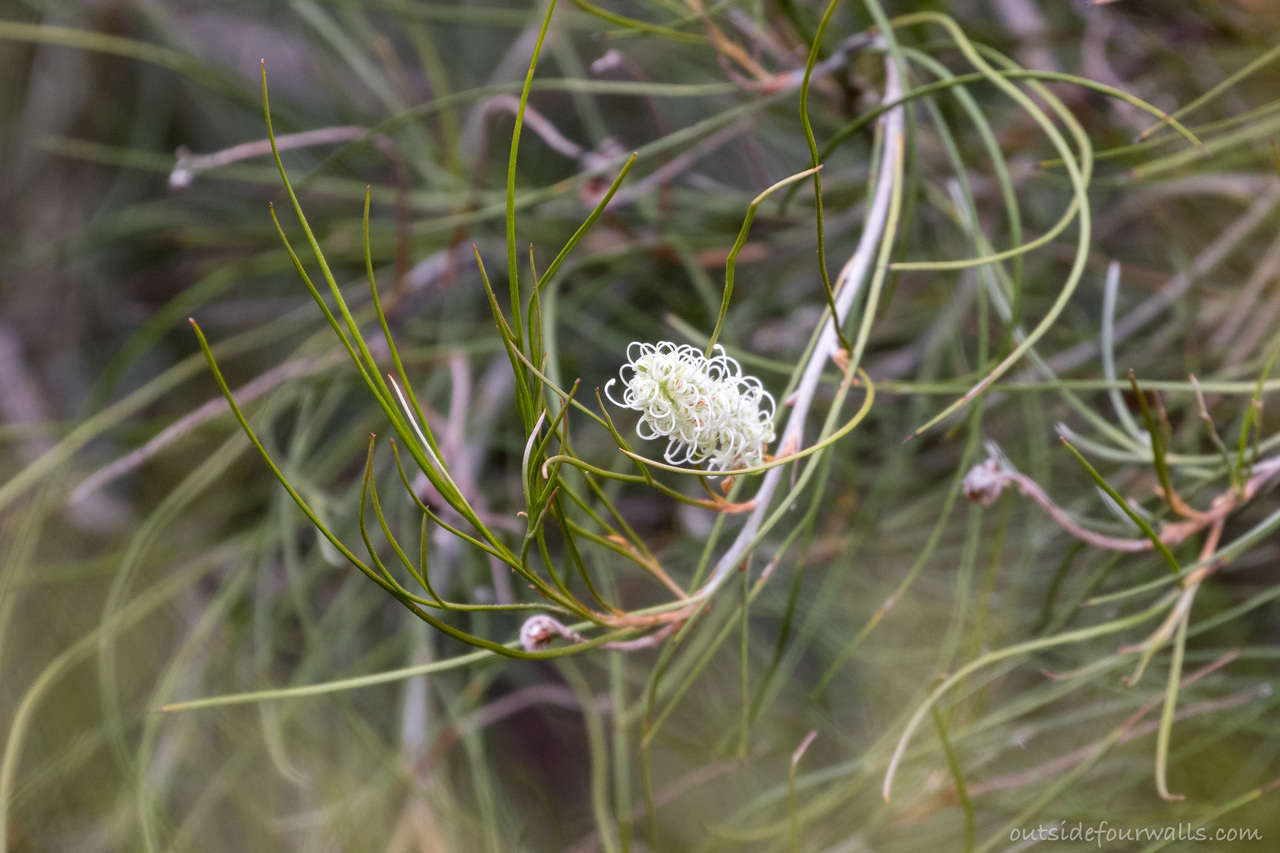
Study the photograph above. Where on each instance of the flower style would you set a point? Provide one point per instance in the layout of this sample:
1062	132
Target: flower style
703	405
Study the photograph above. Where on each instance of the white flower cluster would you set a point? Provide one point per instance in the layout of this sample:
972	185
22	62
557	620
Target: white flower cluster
704	406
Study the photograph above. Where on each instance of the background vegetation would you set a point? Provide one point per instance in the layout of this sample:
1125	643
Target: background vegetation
149	558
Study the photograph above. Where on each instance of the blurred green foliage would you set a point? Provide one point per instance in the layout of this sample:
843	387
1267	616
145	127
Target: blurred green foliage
147	557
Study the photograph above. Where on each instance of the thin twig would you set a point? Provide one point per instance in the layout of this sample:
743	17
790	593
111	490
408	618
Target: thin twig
1131	730
986	480
189	166
535	121
1122	734
847	286
668	171
252	390
1176	286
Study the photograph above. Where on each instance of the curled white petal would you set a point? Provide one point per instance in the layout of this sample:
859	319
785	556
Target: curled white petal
706	408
